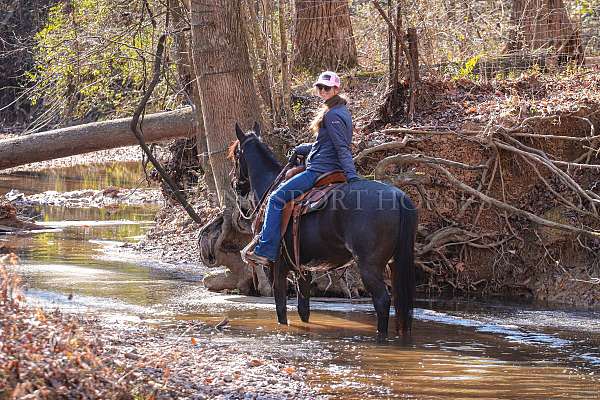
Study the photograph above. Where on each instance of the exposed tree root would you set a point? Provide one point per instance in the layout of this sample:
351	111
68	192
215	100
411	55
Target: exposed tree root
449	244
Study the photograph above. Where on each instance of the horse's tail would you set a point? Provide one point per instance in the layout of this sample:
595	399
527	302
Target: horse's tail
403	267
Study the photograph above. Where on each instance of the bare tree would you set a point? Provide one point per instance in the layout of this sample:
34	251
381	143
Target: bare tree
323	35
224	78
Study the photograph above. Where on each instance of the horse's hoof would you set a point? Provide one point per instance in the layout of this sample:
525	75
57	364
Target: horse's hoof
282	323
304	315
382	338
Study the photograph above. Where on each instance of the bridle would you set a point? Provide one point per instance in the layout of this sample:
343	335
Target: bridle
240	182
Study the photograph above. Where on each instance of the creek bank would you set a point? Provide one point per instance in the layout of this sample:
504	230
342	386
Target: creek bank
11	219
51	354
109	197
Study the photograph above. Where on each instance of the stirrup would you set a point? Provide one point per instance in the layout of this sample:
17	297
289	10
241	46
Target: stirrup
255	260
249	247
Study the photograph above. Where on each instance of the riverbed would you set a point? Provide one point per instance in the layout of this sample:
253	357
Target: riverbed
85	264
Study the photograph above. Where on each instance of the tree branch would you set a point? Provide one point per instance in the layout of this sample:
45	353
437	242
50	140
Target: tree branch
136	128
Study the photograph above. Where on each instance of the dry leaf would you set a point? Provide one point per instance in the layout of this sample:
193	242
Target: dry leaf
289	370
256	363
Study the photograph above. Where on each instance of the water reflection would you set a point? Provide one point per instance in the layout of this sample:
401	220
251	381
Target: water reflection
69	260
95	176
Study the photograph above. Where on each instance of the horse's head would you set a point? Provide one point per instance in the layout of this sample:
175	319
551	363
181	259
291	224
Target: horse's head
240	179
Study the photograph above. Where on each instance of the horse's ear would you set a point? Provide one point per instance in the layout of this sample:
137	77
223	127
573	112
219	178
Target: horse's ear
239	132
257	129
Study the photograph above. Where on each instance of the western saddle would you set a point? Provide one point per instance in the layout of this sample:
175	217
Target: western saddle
313	200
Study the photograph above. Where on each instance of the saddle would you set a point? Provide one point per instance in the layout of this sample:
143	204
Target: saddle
313	200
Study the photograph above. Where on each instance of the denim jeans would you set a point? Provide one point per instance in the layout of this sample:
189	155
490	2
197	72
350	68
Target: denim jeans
270	235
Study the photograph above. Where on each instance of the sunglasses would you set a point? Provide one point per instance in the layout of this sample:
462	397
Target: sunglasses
323	87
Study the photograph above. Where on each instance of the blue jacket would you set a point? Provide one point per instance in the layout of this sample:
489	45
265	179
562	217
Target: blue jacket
332	149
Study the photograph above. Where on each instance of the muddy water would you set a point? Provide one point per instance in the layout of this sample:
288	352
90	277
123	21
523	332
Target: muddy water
452	353
459	349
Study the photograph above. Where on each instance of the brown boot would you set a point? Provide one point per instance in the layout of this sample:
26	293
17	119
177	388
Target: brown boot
252	258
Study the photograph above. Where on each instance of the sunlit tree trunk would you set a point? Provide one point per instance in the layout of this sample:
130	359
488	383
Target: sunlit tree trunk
323	35
227	94
224	80
187	79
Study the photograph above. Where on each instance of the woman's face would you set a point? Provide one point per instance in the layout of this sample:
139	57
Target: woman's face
326	92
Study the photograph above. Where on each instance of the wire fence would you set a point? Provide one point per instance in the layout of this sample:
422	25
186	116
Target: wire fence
487	38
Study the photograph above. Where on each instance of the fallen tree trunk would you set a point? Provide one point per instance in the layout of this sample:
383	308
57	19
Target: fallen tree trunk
93	137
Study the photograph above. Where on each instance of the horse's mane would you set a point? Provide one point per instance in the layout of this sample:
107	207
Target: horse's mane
269	154
231	150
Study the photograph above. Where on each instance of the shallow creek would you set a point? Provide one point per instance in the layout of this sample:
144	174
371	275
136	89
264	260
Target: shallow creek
458	349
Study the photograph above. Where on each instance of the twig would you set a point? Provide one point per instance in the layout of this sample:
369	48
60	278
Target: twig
501	174
568	180
557	137
491	181
385	147
398	32
412	131
470	200
554	192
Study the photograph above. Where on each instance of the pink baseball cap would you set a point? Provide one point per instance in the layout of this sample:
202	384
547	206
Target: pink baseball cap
328	78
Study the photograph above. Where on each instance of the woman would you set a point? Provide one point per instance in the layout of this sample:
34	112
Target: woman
331	151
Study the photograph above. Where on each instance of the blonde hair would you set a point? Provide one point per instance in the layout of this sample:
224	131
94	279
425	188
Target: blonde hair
317	121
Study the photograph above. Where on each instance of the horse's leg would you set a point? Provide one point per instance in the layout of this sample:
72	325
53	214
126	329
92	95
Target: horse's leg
304	280
280	272
372	278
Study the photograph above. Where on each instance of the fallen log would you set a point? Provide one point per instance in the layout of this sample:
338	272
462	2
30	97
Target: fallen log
96	136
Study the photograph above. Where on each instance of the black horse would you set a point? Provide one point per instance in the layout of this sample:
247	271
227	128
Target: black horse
368	221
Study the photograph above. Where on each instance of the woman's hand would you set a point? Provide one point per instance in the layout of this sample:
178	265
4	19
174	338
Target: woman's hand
292	156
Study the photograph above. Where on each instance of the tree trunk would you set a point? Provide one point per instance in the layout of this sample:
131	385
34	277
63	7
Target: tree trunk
323	35
544	24
225	82
187	77
224	77
93	137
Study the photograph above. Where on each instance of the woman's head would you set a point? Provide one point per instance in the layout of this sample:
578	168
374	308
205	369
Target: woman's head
328	85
